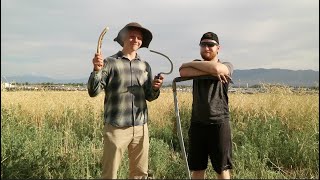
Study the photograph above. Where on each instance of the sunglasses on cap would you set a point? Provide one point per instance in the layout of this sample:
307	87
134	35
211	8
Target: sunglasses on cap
209	44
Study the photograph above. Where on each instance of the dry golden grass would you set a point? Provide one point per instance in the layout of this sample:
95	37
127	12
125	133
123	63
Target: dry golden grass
162	109
295	109
37	104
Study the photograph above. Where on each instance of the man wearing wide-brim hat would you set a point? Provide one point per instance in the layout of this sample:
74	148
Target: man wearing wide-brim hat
146	34
128	84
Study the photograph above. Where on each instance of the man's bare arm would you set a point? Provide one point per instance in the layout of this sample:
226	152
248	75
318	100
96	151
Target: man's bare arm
191	72
207	68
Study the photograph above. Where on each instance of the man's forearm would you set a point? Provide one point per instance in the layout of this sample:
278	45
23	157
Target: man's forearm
191	72
209	67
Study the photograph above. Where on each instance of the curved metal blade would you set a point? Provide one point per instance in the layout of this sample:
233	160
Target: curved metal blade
168	60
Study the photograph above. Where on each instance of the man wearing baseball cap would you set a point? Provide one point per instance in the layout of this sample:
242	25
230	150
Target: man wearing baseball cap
209	133
127	82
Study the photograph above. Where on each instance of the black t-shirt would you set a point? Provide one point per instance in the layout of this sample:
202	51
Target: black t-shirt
210	100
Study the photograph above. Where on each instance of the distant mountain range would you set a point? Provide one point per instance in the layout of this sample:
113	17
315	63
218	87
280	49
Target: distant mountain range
39	79
276	76
240	77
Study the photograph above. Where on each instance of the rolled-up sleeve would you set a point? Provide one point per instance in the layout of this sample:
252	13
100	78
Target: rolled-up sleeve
229	66
97	80
94	83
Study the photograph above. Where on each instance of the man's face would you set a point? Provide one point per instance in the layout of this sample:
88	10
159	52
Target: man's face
133	40
209	49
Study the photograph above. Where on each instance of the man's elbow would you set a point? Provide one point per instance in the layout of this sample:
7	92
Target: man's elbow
92	93
183	72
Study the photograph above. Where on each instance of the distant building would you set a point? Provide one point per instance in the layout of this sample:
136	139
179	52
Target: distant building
5	85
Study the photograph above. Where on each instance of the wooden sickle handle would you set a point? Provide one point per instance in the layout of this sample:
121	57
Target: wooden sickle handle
100	39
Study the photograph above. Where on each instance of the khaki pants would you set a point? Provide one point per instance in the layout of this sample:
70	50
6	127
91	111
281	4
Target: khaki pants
116	141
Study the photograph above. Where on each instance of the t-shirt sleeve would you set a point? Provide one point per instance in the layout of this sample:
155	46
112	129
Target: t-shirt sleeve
229	66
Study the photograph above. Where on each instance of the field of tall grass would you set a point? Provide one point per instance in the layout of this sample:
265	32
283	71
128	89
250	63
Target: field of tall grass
51	134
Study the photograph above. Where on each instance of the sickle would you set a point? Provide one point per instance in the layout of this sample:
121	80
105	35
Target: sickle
168	60
100	39
100	43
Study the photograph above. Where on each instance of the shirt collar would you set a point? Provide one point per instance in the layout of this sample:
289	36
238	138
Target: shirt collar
121	55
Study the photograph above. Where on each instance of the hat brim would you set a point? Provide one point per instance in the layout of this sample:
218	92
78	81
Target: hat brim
147	35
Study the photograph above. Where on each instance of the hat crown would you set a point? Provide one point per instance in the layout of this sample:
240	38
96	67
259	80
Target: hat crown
133	24
147	35
210	35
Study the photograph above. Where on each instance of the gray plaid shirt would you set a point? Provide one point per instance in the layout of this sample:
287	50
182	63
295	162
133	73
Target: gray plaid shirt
127	85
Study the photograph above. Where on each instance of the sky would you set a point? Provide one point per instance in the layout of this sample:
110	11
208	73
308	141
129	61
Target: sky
58	38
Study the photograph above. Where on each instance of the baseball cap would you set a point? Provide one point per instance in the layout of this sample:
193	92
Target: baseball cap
210	35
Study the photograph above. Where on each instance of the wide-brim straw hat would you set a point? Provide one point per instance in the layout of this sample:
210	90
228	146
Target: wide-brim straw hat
147	35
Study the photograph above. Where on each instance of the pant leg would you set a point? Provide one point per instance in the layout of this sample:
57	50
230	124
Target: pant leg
116	141
138	152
